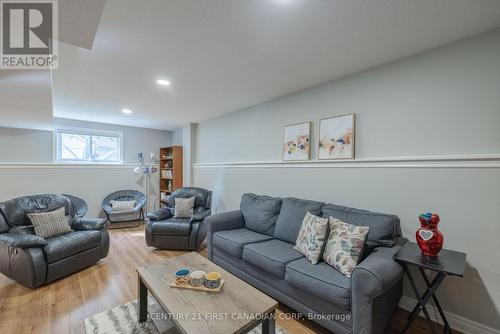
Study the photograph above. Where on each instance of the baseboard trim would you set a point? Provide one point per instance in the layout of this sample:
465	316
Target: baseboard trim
441	161
456	322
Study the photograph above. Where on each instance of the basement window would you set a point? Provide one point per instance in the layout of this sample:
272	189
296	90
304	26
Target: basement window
88	146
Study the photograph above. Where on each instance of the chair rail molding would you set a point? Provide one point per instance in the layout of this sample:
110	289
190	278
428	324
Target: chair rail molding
436	161
67	166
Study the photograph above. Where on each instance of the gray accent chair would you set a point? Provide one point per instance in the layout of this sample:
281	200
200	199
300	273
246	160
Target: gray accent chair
34	261
165	231
79	205
256	244
137	213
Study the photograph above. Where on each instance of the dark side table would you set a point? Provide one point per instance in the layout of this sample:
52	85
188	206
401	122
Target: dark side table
446	263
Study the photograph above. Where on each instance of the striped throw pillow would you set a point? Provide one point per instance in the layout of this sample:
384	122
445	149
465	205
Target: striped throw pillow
50	224
184	207
122	205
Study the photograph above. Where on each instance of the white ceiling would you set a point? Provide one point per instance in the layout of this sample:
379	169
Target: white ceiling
25	99
224	55
26	95
78	21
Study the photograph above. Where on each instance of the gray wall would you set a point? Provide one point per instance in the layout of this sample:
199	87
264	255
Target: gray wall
185	136
35	146
442	102
20	148
25	146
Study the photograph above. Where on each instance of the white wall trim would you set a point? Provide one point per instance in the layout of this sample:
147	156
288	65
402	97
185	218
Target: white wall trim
438	161
66	166
456	322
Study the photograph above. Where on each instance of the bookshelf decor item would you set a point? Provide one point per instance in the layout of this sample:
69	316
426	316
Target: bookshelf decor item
170	172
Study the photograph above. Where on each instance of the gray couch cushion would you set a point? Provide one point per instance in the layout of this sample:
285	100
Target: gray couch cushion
291	215
320	280
272	256
172	226
260	212
384	228
72	243
232	241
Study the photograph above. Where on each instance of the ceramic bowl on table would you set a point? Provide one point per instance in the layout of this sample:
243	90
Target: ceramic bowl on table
212	280
197	278
182	276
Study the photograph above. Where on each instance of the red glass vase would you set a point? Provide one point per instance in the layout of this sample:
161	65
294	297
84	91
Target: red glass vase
429	238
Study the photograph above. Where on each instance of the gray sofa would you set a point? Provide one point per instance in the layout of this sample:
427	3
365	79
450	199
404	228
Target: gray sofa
32	260
256	244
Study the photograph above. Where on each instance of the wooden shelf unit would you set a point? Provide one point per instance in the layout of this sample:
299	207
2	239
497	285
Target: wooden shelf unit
170	163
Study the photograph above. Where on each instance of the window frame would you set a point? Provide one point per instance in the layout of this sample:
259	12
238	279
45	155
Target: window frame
57	150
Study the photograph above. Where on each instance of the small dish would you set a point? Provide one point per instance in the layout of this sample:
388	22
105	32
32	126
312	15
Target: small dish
182	273
184	280
212	280
197	278
182	276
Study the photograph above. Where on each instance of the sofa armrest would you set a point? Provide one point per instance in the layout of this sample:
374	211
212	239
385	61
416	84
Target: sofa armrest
107	209
220	222
225	221
375	281
139	205
18	240
379	269
200	216
160	214
86	224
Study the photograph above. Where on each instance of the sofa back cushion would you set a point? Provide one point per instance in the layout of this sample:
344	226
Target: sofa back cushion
260	212
293	211
384	228
15	210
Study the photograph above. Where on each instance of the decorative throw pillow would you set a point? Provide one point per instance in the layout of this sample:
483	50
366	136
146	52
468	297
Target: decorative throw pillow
122	205
50	224
311	237
344	245
184	207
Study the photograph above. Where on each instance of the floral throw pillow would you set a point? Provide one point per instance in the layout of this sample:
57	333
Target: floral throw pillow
311	237
344	245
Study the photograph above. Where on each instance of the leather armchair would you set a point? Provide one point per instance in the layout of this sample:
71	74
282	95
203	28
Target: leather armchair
32	260
165	231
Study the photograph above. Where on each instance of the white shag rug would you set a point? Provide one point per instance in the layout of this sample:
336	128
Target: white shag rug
123	320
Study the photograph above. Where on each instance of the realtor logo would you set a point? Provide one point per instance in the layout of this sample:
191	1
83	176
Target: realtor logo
28	34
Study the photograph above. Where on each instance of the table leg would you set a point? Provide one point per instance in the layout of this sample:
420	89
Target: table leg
269	324
422	300
142	302
447	328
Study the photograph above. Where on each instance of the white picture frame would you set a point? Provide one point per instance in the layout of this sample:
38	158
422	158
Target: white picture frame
337	137
297	142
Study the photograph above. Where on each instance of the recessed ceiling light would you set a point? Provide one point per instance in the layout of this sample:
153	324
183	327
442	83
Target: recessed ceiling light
163	82
126	111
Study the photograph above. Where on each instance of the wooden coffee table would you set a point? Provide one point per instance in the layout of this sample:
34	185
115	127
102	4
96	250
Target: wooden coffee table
238	308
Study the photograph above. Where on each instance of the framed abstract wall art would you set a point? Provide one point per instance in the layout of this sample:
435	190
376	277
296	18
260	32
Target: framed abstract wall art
297	142
336	137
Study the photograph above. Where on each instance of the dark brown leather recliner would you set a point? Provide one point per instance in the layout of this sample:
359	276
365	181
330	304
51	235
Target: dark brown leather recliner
165	231
32	260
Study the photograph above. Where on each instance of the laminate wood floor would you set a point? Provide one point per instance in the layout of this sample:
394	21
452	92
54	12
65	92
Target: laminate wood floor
61	306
